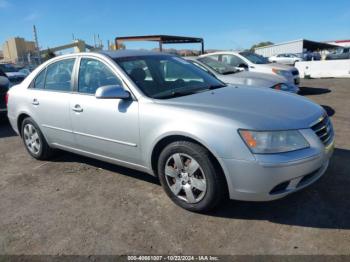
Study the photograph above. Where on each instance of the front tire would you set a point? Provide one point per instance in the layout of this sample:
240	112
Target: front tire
34	140
189	176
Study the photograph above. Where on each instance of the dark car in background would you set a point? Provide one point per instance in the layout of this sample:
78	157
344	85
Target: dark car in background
13	74
341	53
4	87
309	56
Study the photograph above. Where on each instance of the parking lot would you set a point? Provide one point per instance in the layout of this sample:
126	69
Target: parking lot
76	205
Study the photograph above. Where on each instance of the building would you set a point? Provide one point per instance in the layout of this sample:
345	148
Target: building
18	50
294	47
343	43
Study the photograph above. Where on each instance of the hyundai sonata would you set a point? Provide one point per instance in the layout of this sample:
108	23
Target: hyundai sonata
160	114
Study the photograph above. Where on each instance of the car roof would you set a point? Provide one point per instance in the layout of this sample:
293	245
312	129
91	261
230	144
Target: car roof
128	53
221	53
110	54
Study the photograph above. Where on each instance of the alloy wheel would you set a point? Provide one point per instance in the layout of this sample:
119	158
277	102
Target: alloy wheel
32	139
185	178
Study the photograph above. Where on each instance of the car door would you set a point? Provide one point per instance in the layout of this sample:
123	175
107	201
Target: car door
288	59
49	101
280	58
104	127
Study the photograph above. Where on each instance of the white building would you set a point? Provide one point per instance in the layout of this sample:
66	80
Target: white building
294	47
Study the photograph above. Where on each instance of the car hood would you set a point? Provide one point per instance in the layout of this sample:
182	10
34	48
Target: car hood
253	79
246	107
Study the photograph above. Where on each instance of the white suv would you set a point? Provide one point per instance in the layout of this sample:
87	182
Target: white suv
255	63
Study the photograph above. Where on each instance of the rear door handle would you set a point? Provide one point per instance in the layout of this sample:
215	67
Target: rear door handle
77	108
35	102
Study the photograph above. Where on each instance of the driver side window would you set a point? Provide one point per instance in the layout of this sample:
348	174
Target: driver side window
94	74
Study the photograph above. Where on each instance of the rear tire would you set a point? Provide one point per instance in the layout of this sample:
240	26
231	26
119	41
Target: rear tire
190	178
34	141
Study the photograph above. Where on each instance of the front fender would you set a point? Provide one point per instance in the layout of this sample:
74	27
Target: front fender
216	133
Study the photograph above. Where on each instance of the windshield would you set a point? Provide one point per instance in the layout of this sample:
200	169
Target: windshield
218	66
254	58
164	76
8	68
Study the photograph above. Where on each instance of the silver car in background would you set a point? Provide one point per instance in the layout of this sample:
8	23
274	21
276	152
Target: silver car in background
286	59
252	62
160	114
233	76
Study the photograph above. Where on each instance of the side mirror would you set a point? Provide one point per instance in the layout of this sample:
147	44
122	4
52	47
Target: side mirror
4	82
243	66
112	92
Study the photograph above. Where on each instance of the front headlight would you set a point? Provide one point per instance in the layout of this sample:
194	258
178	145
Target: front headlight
280	72
269	142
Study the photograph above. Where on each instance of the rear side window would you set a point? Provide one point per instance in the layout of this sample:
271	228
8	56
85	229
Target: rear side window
215	57
59	75
40	80
232	60
94	74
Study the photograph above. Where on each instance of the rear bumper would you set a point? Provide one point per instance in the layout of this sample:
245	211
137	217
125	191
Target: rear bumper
274	176
13	123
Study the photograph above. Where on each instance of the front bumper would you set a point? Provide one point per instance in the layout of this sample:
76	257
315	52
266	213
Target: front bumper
274	176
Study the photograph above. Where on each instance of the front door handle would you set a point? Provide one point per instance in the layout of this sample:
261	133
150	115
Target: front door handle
35	102
77	108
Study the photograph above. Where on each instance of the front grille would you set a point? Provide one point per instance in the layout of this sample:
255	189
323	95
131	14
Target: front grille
295	72
323	129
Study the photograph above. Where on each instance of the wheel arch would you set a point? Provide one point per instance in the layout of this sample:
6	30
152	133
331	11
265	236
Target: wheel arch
20	119
163	142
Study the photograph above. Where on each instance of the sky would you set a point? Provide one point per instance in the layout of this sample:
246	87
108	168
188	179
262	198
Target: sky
226	24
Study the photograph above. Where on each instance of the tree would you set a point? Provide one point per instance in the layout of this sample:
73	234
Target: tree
48	55
261	44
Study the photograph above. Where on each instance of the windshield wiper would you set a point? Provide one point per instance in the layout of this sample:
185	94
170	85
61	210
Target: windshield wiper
215	86
230	72
176	94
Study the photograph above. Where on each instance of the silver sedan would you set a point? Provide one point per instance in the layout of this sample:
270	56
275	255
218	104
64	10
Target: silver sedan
233	76
160	114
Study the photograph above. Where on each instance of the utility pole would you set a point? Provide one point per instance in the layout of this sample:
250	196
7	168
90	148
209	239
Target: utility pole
36	43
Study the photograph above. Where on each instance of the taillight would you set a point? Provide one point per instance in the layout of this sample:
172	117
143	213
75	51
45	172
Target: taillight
7	98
